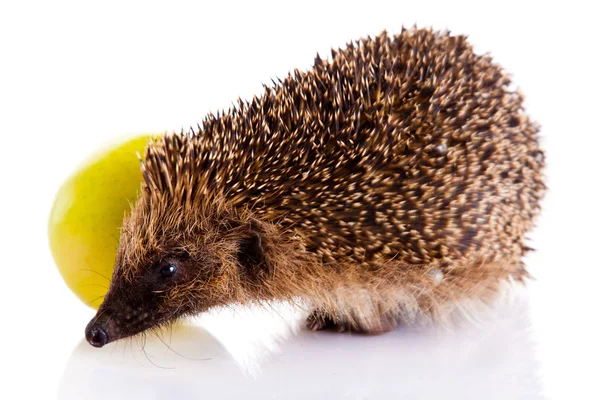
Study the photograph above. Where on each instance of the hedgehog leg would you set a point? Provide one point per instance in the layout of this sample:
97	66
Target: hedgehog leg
375	324
319	320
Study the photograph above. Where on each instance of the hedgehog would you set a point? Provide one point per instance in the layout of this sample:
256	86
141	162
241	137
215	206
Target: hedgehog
394	182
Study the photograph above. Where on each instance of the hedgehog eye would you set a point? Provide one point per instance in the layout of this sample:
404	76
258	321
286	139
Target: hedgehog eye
167	270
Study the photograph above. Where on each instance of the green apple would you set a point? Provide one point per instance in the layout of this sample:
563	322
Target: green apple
87	215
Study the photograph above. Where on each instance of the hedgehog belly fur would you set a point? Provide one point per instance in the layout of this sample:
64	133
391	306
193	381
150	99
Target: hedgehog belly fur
394	181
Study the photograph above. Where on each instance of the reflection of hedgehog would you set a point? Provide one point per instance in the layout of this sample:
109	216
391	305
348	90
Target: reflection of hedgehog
390	183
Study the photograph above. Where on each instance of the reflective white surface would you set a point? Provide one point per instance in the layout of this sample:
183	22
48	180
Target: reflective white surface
74	75
227	357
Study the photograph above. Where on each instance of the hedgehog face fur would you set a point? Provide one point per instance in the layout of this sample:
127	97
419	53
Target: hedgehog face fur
169	266
395	182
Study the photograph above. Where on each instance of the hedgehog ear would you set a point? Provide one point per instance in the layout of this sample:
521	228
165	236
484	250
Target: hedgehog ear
251	251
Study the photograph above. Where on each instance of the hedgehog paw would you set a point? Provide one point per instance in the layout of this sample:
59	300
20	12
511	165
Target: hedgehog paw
318	321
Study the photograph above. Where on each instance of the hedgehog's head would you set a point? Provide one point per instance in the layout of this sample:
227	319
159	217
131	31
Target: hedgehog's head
175	261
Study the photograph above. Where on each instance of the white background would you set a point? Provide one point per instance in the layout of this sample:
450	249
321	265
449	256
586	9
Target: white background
76	74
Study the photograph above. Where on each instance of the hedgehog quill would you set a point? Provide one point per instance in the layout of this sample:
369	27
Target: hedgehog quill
394	182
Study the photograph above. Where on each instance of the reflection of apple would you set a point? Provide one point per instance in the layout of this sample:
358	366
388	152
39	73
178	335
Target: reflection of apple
87	214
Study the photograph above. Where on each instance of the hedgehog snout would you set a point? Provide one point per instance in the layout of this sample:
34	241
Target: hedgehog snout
131	315
96	335
97	332
109	325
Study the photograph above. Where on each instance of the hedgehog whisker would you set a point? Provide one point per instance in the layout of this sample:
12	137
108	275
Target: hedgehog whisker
143	349
98	316
96	284
98	298
179	354
95	272
132	352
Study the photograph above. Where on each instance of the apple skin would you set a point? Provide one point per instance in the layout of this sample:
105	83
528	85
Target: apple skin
87	215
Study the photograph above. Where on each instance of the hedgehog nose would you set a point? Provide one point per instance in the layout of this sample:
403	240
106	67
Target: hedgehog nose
96	336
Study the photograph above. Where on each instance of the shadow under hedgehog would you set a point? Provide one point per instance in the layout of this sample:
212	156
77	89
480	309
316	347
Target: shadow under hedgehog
394	182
